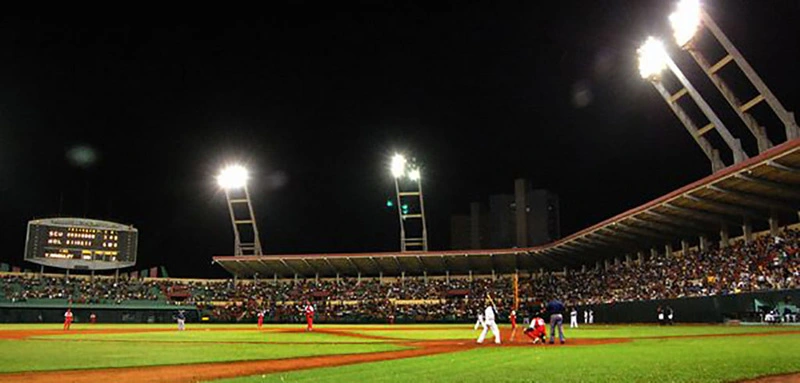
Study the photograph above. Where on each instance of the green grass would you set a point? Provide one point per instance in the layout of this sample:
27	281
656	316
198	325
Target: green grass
40	355
594	331
685	357
672	360
215	336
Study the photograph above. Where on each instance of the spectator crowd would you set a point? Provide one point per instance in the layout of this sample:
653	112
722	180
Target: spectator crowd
766	263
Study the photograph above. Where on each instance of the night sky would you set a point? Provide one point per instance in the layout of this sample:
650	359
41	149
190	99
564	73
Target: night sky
129	118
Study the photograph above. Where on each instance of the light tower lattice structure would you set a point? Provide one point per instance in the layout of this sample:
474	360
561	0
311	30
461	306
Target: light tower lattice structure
687	21
653	60
233	181
408	192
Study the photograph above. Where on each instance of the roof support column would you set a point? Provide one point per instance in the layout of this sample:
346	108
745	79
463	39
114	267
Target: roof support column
747	229
316	278
493	275
295	277
565	270
606	264
403	278
470	275
380	277
425	277
773	223
684	248
724	237
583	268
447	276
597	266
628	260
703	243
275	279
653	253
668	250
337	278
640	257
358	280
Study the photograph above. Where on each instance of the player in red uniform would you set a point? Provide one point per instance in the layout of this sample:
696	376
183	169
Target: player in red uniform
260	318
536	330
513	318
67	319
309	311
93	318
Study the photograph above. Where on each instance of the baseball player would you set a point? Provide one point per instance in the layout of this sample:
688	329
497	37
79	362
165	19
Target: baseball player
261	318
309	311
513	318
489	315
67	319
93	318
585	316
591	316
536	330
573	318
556	310
181	318
480	322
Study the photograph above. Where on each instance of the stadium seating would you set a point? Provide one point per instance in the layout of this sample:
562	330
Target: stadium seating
767	263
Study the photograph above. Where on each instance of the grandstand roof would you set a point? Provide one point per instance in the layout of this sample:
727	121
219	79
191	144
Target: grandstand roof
754	190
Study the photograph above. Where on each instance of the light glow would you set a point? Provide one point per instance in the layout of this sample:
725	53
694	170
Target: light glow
652	58
398	166
685	21
414	175
233	177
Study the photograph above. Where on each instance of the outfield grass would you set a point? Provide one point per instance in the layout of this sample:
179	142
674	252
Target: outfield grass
650	360
585	332
245	336
40	355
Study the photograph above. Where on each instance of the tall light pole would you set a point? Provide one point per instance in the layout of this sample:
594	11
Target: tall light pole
233	180
687	21
653	59
401	170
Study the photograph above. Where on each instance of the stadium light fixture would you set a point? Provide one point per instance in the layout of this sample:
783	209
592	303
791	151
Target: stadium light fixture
685	21
652	58
398	166
233	177
414	175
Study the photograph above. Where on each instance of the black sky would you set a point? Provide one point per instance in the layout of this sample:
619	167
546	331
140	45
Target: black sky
315	103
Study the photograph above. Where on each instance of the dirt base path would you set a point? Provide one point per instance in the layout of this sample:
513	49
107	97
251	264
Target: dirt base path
788	378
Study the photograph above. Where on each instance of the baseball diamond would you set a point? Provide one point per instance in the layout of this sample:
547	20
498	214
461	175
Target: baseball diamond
627	250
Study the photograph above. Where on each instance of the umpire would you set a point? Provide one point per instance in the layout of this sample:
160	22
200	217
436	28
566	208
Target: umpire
556	310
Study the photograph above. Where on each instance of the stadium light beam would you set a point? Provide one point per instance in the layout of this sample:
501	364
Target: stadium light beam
414	175
652	59
398	166
233	177
685	21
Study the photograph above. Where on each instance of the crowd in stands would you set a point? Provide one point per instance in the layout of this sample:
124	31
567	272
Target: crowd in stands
767	263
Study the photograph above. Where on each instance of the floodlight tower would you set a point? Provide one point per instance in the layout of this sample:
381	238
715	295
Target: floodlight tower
653	59
233	180
687	21
401	171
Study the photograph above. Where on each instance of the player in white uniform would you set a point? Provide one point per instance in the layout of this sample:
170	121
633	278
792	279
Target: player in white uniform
573	318
480	322
585	316
489	324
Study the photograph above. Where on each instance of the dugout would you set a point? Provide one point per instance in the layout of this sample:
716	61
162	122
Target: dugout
713	309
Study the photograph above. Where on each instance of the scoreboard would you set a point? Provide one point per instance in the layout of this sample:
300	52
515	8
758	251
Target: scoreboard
79	243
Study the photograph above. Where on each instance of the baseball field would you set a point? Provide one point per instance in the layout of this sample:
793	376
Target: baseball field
396	353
